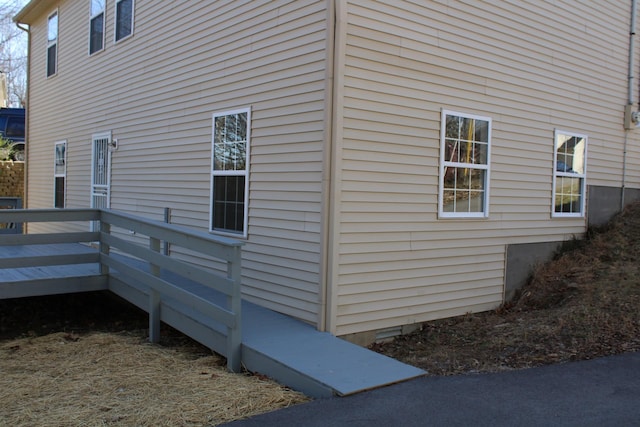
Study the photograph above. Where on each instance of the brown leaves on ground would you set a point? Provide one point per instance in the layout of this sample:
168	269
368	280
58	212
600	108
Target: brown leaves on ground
583	304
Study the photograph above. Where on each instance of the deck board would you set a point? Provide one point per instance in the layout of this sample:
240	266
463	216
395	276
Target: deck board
286	349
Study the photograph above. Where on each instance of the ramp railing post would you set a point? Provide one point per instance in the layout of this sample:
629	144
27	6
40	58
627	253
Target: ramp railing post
167	220
154	297
234	333
105	249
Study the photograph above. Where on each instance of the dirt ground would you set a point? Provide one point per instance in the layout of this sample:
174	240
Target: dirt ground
583	304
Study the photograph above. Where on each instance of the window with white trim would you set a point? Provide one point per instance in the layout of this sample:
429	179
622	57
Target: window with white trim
60	174
465	146
570	174
124	19
96	26
52	44
230	172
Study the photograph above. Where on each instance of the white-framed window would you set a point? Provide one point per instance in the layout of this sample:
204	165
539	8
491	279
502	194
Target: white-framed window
96	26
124	19
60	174
570	174
465	149
52	44
230	172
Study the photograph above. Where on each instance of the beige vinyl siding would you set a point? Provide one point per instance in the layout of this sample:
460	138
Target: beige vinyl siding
531	67
156	92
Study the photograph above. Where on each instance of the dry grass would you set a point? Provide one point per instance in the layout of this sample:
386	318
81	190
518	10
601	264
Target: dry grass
106	378
583	304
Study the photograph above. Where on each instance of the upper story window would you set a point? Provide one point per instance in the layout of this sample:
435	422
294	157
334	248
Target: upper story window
52	44
124	19
230	172
570	173
96	26
464	165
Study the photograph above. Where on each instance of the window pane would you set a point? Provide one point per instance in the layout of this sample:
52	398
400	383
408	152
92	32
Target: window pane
97	6
466	140
453	127
464	190
228	203
15	127
466	129
51	60
570	153
59	165
59	192
479	153
52	28
481	131
124	18
97	34
452	150
230	142
568	195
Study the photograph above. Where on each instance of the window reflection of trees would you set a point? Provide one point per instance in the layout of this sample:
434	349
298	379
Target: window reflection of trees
466	145
230	142
570	173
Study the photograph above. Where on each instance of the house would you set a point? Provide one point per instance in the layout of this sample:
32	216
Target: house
387	163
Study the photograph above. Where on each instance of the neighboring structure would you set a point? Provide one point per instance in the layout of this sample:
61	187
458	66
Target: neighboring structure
387	162
12	128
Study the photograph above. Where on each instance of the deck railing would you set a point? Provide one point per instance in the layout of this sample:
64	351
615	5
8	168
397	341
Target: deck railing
10	203
145	248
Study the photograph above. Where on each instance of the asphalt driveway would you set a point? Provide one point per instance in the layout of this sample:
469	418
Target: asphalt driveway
600	392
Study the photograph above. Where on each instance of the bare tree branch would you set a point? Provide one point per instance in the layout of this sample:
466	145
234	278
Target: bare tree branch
13	53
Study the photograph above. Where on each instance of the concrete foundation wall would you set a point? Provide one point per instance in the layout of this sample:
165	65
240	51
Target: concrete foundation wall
521	260
631	195
604	202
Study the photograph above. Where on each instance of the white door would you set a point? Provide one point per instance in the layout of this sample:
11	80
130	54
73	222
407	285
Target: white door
101	171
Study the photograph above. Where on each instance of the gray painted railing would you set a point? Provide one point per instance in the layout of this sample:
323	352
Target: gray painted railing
10	203
227	251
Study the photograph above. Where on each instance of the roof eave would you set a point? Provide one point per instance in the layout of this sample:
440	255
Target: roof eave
33	10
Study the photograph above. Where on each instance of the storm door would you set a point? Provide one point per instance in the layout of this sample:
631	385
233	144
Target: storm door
101	171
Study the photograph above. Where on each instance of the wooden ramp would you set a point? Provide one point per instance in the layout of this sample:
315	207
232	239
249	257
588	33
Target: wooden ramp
285	349
317	363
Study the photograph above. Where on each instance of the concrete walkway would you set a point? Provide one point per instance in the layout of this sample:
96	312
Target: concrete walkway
601	392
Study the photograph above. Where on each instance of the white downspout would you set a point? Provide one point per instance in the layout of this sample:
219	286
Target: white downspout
630	97
25	201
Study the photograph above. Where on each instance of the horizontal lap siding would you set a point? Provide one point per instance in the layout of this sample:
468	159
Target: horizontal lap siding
157	92
405	61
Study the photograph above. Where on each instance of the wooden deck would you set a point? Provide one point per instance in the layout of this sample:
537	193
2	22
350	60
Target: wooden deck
283	348
35	281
